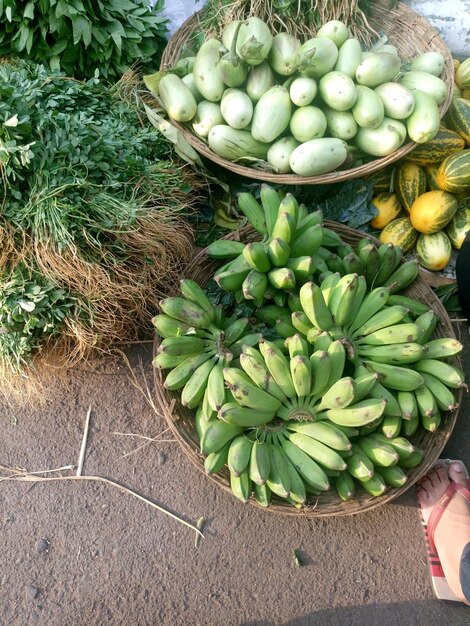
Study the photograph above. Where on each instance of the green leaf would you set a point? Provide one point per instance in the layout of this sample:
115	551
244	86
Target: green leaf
27	305
8	13
29	11
81	30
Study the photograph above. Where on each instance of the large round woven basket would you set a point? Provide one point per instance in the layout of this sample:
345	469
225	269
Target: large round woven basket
409	32
181	419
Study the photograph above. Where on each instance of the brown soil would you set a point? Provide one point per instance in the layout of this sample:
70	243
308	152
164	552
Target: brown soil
84	553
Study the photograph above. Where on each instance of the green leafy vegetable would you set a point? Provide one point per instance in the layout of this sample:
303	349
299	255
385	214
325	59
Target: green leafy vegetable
84	37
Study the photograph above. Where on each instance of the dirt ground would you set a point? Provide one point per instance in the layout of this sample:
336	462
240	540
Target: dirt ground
84	553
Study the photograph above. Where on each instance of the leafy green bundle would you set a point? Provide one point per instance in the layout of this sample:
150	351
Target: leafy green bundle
84	36
92	214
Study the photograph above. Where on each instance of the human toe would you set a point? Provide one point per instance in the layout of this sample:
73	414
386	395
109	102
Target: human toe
457	472
436	480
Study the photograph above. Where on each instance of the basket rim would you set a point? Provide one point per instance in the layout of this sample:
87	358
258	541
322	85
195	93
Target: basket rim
172	411
379	11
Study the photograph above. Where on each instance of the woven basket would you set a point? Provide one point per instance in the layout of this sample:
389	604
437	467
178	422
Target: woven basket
181	419
409	32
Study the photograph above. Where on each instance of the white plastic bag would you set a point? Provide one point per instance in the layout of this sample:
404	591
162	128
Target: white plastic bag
177	11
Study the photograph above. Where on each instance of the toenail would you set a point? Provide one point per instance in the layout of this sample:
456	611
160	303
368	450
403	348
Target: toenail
456	467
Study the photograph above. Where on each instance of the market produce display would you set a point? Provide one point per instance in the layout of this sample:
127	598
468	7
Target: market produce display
327	381
92	226
423	203
307	107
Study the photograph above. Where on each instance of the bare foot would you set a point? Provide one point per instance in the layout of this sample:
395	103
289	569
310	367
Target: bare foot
453	529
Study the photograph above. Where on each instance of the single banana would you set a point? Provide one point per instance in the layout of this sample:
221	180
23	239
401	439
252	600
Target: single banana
357	414
431	422
278	366
331	239
314	306
328	284
371	427
236	330
407	333
290	205
185	311
326	433
270	201
308	242
284	330
284	228
343	249
270	313
369	256
302	266
392	476
201	422
311	219
386	317
339	395
255	366
247	394
233	413
321	340
224	249
262	495
297	345
372	303
353	264
167	326
442	348
251	339
215	461
390	258
413	460
206	410
394	354
231	279
337	354
241	486
403	276
217	434
301	322
183	344
254	286
308	469
448	374
279	297
444	396
359	465
278	252
196	294
427	323
321	370
407	402
410	426
260	462
344	311
391	426
344	485
364	384
378	391
256	255
396	377
193	390
216	386
415	307
403	447
297	489
375	486
360	294
166	361
252	210
279	477
381	454
239	454
179	376
300	370
293	302
427	404
282	278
